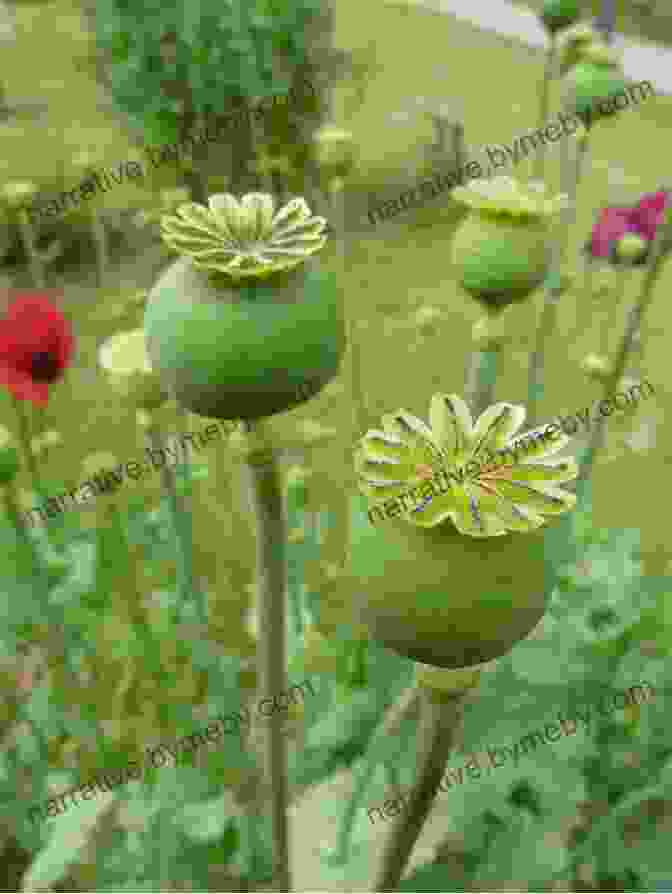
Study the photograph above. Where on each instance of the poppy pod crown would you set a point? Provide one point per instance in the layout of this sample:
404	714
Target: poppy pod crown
245	324
245	240
447	559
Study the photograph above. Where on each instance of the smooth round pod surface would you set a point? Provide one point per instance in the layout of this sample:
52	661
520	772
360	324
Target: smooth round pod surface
558	14
500	261
442	598
594	86
247	350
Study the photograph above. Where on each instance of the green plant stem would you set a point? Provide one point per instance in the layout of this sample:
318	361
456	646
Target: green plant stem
100	241
553	291
35	262
181	522
481	376
439	723
405	707
549	66
297	521
16	518
359	419
267	502
183	467
635	318
26	449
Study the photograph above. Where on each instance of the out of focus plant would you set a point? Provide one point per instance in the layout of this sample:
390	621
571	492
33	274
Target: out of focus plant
174	67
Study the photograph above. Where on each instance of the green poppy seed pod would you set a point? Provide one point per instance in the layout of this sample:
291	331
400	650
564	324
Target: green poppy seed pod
334	150
502	248
454	571
470	600
595	82
558	14
246	324
9	457
631	248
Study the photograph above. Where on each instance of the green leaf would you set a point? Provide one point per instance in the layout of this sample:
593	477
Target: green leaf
346	721
71	832
210	820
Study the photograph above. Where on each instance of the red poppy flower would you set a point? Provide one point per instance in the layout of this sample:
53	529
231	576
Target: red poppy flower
36	345
613	223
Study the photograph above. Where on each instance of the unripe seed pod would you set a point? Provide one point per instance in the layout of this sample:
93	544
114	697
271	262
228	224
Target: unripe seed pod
557	14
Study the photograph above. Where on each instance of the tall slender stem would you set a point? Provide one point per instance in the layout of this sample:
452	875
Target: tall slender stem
360	420
439	723
405	707
606	20
35	261
549	67
635	318
267	501
553	290
181	520
100	240
481	374
24	439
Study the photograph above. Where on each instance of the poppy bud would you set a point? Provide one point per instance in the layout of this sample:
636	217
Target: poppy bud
597	367
595	82
334	151
631	248
558	14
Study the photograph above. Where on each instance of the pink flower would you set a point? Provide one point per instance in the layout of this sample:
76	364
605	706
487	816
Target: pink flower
615	222
611	225
649	213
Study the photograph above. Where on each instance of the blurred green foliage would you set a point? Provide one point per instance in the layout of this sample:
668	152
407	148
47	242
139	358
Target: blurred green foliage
221	49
